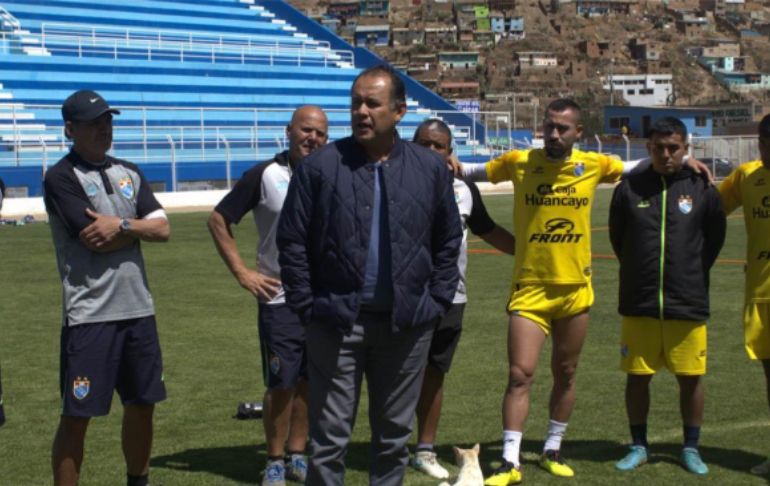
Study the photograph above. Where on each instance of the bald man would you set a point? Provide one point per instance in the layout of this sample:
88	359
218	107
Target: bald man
262	190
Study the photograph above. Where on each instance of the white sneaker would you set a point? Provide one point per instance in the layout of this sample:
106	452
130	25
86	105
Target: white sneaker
761	469
425	462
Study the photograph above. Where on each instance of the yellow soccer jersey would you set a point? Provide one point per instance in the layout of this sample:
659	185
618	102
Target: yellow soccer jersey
552	211
749	186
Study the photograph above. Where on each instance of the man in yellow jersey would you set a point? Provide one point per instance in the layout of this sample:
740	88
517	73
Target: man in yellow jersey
666	227
749	186
551	290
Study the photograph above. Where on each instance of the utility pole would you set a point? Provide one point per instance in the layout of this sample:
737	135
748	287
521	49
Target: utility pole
612	84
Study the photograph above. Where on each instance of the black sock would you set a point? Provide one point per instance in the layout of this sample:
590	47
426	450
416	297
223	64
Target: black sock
691	436
639	434
137	480
274	458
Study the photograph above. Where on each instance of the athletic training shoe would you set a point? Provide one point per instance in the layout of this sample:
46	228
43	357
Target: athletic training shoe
504	475
761	469
637	455
275	474
692	462
296	467
425	462
552	462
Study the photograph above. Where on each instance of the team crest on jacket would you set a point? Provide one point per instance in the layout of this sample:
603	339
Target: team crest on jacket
580	169
81	386
685	204
126	186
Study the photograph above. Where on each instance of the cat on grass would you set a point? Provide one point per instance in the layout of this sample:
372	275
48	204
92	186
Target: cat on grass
470	470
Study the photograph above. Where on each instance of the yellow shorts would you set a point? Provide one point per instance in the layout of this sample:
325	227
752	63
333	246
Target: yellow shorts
542	304
756	329
646	343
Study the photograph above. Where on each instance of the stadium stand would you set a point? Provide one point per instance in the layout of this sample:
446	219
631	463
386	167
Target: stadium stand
205	87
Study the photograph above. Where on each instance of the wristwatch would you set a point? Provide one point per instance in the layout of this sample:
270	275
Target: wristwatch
125	225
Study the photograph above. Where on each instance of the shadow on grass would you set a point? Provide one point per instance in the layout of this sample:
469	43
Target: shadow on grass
603	451
242	463
583	450
245	463
732	459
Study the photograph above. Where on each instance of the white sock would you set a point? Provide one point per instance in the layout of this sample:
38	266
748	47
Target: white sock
512	446
556	431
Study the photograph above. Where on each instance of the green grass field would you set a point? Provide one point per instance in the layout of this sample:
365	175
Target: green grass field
208	332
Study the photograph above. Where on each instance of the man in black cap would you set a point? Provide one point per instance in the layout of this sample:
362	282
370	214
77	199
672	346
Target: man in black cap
99	209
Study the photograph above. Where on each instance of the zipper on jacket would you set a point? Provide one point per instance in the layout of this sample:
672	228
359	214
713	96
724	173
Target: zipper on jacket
662	245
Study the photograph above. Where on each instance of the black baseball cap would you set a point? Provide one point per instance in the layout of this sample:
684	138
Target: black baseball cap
85	105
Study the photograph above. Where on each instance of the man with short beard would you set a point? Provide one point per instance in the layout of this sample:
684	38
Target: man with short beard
551	291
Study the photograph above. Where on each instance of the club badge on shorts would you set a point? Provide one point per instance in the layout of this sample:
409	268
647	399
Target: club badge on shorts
275	364
685	204
126	186
81	386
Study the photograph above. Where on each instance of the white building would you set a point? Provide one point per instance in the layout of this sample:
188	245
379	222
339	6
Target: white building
641	89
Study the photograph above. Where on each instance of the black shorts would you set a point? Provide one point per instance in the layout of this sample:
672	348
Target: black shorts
446	337
282	338
100	358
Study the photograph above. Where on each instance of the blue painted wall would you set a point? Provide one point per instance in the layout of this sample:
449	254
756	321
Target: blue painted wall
636	114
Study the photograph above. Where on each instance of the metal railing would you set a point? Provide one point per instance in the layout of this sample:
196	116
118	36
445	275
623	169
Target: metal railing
25	142
151	45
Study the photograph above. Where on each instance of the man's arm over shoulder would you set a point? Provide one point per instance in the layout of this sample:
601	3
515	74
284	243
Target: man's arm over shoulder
494	171
446	238
730	191
618	219
481	224
714	226
293	242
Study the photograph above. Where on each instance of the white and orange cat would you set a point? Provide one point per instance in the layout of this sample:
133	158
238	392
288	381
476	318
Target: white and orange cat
470	470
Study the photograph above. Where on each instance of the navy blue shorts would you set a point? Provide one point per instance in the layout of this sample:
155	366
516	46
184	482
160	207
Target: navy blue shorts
282	337
445	338
98	359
